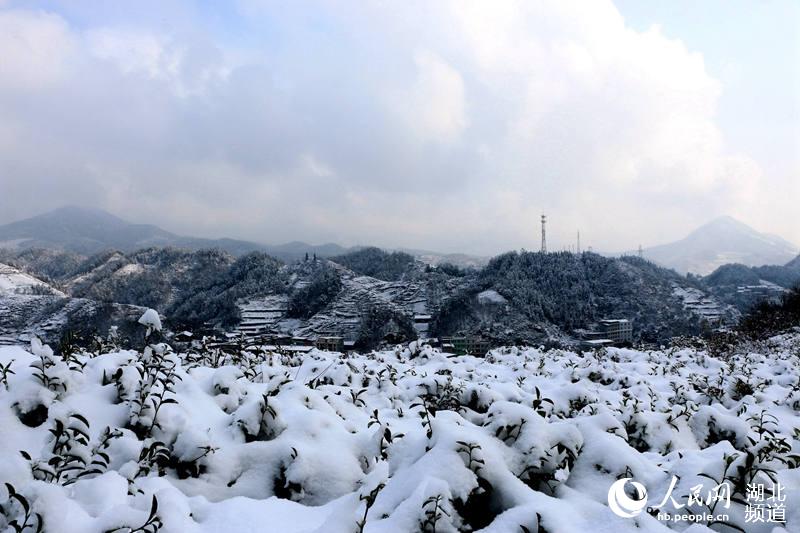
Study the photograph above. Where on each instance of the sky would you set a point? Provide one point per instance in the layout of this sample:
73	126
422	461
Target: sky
445	125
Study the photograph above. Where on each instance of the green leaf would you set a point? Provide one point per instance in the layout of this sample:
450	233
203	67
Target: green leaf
153	508
81	418
22	501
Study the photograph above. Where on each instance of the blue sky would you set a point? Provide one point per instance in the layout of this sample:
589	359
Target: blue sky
446	125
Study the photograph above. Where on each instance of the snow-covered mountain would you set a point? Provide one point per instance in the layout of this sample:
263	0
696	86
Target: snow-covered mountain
722	241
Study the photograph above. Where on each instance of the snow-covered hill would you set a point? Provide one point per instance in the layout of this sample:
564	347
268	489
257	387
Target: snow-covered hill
30	307
537	298
24	301
14	281
723	240
406	440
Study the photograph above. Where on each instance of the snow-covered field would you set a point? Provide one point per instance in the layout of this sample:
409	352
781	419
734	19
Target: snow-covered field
523	440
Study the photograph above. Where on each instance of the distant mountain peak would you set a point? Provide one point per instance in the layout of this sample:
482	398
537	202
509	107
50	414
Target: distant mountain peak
79	209
85	230
724	219
72	212
720	241
726	224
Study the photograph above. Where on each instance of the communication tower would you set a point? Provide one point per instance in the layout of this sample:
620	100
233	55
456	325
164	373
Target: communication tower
544	236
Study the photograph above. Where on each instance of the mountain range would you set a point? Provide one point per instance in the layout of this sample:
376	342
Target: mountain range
367	294
70	267
87	231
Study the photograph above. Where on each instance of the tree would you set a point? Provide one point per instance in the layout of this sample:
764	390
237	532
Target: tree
376	263
767	318
379	322
322	289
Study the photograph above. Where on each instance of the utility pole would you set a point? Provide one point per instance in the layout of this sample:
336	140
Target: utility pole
544	236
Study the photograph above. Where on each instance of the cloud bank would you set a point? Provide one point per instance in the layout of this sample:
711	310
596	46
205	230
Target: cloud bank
443	125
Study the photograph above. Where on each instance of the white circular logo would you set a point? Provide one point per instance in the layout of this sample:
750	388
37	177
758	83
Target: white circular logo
621	503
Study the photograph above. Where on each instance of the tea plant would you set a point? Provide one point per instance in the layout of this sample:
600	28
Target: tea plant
154	457
151	525
157	378
46	370
5	371
29	521
473	462
69	455
369	500
433	512
386	435
538	403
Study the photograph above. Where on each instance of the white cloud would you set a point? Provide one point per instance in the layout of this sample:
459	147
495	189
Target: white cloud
433	106
135	52
35	47
441	125
184	67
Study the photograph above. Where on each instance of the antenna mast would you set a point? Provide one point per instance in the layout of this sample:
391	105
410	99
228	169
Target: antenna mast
578	249
544	238
641	252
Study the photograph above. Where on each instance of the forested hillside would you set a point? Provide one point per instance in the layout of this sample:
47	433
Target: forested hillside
746	287
520	297
377	263
569	291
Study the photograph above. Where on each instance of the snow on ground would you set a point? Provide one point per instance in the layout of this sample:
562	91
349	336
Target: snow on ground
490	296
411	439
14	281
129	270
704	305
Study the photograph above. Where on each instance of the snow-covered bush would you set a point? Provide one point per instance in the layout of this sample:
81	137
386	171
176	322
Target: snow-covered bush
151	320
234	437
